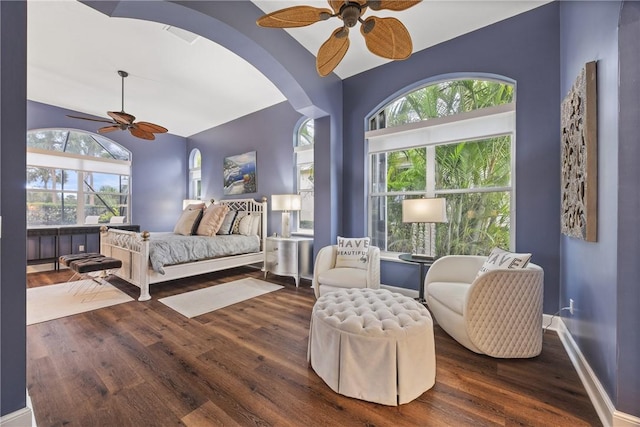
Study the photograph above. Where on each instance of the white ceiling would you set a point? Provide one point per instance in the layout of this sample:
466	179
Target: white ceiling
74	53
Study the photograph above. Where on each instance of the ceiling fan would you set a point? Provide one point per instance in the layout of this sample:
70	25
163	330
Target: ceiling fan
125	121
385	37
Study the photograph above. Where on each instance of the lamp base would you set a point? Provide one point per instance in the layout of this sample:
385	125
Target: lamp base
286	228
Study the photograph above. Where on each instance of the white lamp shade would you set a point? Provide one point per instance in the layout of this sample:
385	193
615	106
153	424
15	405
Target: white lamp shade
286	202
424	210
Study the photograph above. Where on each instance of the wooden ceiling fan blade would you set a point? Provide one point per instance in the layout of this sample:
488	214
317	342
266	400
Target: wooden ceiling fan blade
121	117
139	133
150	127
396	5
89	118
296	16
109	128
332	51
387	37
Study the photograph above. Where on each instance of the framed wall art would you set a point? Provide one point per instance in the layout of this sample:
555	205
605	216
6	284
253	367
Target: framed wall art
579	135
240	174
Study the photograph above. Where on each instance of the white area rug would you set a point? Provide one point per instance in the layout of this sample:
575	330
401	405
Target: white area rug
64	299
195	303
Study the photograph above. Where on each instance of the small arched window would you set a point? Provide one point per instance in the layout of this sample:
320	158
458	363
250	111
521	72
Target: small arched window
195	174
303	150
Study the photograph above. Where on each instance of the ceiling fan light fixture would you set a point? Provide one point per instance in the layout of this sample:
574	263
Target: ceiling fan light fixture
125	121
385	37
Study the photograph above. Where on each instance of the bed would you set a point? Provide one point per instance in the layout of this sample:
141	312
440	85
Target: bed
142	266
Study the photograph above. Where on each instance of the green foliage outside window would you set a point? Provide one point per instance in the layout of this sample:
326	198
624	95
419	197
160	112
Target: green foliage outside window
474	176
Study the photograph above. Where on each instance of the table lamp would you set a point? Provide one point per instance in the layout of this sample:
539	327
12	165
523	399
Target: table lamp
422	213
286	203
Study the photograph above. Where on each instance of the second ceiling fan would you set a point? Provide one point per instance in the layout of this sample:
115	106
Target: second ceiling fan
126	121
385	37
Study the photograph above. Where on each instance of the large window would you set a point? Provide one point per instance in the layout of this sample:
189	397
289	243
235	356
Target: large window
73	175
304	174
453	139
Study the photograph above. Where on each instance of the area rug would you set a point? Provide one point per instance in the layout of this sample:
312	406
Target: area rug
65	299
201	301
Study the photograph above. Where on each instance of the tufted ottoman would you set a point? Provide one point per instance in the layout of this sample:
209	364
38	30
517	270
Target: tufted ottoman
373	345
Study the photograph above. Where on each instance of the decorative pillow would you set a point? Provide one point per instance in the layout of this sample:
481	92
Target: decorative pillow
500	259
189	219
236	222
352	253
227	223
249	225
212	220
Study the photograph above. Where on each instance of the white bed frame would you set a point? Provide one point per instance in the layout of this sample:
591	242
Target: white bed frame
133	250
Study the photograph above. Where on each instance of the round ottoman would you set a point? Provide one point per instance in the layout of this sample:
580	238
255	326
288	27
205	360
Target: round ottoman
372	344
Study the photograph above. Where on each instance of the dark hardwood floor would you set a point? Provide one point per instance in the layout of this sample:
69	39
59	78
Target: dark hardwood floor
143	364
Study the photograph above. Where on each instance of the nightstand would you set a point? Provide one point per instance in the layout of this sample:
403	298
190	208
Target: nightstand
288	256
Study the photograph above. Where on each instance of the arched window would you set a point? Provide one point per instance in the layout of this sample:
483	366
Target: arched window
453	139
195	175
304	174
75	177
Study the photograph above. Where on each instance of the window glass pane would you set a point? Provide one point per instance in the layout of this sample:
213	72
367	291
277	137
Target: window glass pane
474	164
403	170
389	233
47	139
477	223
95	181
44	178
84	144
446	99
305	134
115	151
50	208
306	177
306	212
70	180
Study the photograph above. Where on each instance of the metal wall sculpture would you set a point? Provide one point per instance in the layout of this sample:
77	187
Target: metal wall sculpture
580	157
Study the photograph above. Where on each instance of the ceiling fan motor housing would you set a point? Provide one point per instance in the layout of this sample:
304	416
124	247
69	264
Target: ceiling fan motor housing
350	13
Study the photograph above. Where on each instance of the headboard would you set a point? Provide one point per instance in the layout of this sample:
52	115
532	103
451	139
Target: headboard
252	207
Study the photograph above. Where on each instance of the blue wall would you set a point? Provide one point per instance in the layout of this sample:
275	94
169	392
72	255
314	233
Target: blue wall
269	133
588	33
602	277
159	166
628	399
525	49
13	244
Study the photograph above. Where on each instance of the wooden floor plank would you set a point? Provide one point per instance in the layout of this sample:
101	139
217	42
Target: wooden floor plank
142	363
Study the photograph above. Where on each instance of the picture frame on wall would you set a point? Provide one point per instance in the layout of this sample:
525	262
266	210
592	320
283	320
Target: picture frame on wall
240	174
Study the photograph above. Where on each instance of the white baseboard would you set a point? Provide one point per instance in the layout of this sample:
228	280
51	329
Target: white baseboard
21	418
609	415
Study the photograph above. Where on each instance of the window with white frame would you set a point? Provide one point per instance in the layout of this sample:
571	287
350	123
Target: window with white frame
453	139
304	174
195	175
73	175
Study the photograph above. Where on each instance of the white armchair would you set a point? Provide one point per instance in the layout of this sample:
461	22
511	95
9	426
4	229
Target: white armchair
327	278
498	314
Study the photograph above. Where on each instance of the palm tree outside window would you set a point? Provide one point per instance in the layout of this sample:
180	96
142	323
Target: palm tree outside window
453	139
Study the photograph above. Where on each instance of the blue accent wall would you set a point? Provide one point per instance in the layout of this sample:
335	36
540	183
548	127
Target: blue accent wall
159	167
602	277
524	49
13	244
270	133
628	315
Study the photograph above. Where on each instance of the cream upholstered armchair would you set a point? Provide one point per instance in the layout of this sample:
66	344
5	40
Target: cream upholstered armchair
498	313
327	277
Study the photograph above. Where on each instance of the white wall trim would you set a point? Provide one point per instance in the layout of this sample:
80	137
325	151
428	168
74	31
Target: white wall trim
21	418
609	415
